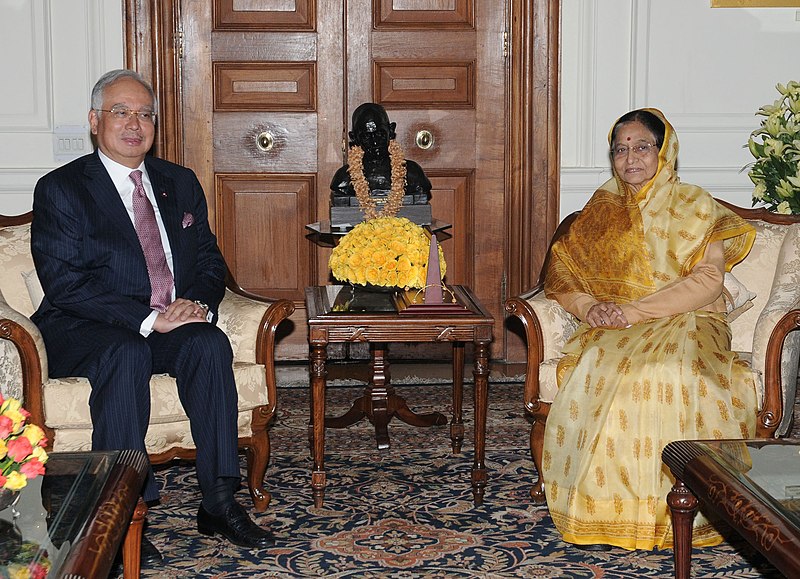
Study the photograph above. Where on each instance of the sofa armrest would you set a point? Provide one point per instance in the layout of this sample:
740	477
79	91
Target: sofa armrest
780	369
548	327
29	364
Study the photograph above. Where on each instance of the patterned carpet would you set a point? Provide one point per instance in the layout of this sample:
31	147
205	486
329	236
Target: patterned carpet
406	512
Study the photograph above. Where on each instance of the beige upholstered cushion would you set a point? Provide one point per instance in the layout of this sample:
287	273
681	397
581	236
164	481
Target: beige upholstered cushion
557	327
66	402
738	299
15	260
756	272
557	324
34	287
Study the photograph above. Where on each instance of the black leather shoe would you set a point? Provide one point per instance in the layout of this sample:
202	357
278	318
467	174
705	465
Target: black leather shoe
594	547
236	526
150	554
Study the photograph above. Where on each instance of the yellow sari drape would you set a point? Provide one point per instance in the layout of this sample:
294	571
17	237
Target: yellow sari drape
625	393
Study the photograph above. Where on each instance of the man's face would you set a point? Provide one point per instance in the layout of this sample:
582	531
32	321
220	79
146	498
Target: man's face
125	140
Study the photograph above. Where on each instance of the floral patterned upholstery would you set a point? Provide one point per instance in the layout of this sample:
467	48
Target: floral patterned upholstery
65	400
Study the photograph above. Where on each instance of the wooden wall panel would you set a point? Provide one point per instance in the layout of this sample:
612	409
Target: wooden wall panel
256	46
265	86
294	147
265	14
421	84
453	134
423	14
452	196
261	223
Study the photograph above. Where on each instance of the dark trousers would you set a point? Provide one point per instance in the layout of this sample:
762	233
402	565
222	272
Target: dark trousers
119	362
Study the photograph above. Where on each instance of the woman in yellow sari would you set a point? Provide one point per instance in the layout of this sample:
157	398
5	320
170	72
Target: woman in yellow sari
642	267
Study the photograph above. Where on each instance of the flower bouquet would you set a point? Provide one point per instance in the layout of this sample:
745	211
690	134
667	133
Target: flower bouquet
22	454
776	148
385	251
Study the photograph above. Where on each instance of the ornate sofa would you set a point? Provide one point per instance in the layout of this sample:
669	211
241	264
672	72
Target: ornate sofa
60	405
762	328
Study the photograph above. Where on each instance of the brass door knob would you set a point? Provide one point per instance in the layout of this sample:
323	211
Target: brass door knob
265	141
424	139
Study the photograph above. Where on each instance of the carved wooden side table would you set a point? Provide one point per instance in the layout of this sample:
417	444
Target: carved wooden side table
342	314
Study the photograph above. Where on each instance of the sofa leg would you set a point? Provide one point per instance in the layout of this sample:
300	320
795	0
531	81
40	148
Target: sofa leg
537	445
258	453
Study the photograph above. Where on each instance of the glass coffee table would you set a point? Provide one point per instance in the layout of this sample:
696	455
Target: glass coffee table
71	521
753	485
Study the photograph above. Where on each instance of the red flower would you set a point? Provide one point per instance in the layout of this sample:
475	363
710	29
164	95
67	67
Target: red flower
19	449
32	468
6	424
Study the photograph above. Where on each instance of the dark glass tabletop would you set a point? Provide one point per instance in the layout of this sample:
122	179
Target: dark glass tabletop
768	469
37	532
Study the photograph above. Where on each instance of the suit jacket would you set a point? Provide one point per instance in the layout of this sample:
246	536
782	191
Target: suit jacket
88	256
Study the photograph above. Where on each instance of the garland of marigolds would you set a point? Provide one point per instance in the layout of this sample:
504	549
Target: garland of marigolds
355	162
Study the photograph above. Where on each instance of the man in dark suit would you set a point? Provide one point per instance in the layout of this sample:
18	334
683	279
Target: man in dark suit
133	278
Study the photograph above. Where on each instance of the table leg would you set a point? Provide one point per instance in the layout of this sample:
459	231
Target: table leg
481	374
457	423
683	506
379	403
318	374
132	545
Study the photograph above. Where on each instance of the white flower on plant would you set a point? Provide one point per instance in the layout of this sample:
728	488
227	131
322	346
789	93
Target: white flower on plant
773	124
775	145
785	189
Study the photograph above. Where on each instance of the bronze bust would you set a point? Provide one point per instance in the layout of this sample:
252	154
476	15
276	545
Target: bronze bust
378	156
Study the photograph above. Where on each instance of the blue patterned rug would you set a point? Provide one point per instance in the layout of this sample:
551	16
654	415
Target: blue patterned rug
406	512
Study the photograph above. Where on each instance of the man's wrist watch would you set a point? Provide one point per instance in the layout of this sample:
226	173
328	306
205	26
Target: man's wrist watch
202	305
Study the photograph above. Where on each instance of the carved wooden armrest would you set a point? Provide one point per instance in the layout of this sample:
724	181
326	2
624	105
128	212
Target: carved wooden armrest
25	336
772	407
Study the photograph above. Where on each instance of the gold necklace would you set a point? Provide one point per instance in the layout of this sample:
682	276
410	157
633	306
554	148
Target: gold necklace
355	162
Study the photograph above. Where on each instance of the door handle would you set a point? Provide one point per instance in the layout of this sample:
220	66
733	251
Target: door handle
424	139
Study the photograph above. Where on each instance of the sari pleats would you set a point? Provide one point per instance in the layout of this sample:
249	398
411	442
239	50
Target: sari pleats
626	394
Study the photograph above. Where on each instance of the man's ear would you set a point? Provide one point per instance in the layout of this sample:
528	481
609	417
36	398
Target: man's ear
93	120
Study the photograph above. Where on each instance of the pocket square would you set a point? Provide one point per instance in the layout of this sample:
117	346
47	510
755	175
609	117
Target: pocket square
188	219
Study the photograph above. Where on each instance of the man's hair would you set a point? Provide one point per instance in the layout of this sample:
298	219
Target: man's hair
648	119
113	76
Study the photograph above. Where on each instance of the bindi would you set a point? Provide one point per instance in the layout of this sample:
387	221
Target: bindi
628	139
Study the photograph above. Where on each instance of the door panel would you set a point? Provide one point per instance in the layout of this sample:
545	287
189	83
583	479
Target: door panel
248	208
286	76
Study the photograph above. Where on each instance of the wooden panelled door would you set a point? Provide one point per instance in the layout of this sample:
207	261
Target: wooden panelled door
263	95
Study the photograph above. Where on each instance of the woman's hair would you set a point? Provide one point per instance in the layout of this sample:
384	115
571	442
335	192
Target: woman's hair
648	119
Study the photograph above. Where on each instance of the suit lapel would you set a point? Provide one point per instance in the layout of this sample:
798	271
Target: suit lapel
102	189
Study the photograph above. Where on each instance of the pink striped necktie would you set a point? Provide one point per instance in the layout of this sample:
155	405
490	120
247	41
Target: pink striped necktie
144	219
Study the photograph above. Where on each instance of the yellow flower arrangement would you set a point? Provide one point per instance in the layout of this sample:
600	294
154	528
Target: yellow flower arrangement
385	251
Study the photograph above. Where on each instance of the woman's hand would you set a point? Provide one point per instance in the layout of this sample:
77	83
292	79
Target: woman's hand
606	315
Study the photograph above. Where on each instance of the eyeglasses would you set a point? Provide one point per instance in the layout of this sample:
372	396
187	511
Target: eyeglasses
621	151
123	114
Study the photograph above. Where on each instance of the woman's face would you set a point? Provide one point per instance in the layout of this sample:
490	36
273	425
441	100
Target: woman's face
635	154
